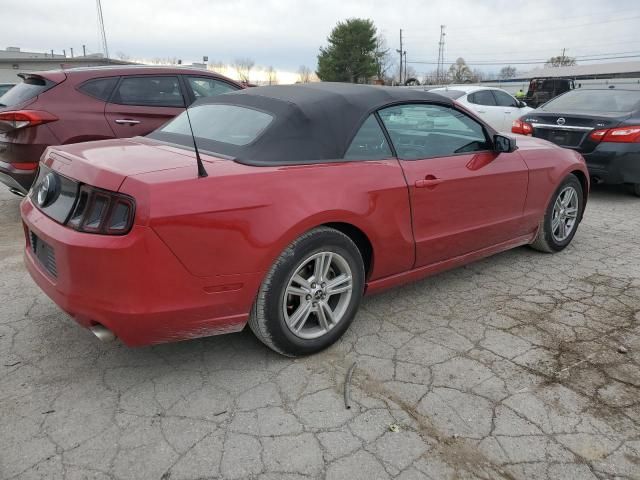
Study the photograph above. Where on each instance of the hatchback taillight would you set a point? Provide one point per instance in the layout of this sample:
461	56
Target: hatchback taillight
24	118
629	134
102	211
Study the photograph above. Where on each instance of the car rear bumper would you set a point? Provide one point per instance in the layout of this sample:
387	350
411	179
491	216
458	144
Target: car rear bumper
19	164
132	284
19	179
614	163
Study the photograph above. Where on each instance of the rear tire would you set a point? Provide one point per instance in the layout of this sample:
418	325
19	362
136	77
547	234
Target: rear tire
310	295
562	217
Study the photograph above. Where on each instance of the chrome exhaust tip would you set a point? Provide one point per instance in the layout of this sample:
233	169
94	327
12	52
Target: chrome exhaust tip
103	333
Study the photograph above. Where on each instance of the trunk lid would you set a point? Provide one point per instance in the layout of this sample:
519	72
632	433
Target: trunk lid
570	130
106	164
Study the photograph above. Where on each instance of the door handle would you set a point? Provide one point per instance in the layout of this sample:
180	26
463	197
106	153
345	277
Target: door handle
429	181
481	111
508	112
127	121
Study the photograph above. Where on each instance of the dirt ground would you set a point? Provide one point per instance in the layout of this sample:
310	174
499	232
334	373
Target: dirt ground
509	368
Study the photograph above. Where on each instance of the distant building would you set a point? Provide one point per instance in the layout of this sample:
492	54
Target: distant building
14	61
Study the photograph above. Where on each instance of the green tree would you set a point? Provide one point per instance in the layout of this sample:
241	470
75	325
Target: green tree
350	55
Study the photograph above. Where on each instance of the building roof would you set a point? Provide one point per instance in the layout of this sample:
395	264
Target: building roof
595	69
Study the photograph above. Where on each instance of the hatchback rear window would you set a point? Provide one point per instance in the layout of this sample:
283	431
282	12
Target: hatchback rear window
594	101
31	87
215	124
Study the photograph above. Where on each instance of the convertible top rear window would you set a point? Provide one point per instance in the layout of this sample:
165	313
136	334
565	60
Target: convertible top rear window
221	123
215	126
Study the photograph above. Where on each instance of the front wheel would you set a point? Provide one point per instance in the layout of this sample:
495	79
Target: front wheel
561	219
310	295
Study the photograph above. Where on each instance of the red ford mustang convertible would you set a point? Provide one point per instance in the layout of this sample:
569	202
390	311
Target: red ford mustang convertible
300	200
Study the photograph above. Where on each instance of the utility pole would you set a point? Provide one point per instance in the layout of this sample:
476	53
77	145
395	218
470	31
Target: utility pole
84	50
405	66
400	52
440	68
103	34
562	59
71	48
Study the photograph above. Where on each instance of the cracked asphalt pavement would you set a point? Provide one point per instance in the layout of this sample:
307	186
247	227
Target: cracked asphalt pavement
509	368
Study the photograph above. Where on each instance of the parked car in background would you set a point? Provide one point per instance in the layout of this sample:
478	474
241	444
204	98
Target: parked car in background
5	87
493	105
542	90
309	196
82	104
603	125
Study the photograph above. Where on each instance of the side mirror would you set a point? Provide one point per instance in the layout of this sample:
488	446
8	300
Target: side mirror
504	144
521	104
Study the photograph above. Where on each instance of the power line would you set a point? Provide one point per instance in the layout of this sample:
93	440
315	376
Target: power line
503	62
520	31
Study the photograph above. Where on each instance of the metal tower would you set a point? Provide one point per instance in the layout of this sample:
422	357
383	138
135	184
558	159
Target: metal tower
105	49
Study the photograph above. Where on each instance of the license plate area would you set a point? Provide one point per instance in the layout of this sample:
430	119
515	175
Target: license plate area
44	253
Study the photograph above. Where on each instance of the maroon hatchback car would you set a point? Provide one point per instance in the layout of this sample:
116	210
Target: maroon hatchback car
81	104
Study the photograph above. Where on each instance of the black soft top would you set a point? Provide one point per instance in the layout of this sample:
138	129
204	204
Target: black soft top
312	122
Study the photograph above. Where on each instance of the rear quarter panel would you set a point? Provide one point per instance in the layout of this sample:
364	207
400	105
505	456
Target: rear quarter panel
548	166
240	218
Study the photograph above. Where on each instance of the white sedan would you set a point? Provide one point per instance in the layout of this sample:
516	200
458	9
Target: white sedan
493	105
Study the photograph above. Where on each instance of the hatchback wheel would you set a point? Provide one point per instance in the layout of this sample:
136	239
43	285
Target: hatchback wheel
561	219
310	295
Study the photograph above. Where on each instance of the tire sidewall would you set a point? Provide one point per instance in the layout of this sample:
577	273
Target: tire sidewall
555	245
321	241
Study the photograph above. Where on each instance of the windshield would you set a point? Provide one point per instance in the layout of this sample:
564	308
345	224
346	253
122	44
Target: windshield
31	87
215	126
594	101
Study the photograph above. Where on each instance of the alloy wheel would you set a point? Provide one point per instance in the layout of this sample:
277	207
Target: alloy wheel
565	214
317	294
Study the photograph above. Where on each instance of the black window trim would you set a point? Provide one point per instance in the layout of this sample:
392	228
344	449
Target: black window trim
80	85
483	104
495	97
123	77
485	130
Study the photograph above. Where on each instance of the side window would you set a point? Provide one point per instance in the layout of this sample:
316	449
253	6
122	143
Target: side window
423	131
504	99
208	87
369	143
483	97
99	88
149	91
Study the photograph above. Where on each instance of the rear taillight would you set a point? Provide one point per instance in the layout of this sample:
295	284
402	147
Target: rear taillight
102	211
24	118
521	127
629	134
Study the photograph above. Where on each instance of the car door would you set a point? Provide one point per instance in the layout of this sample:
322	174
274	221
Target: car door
510	109
483	103
464	196
140	104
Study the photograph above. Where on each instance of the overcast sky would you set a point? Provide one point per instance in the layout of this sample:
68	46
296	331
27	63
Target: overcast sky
288	33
